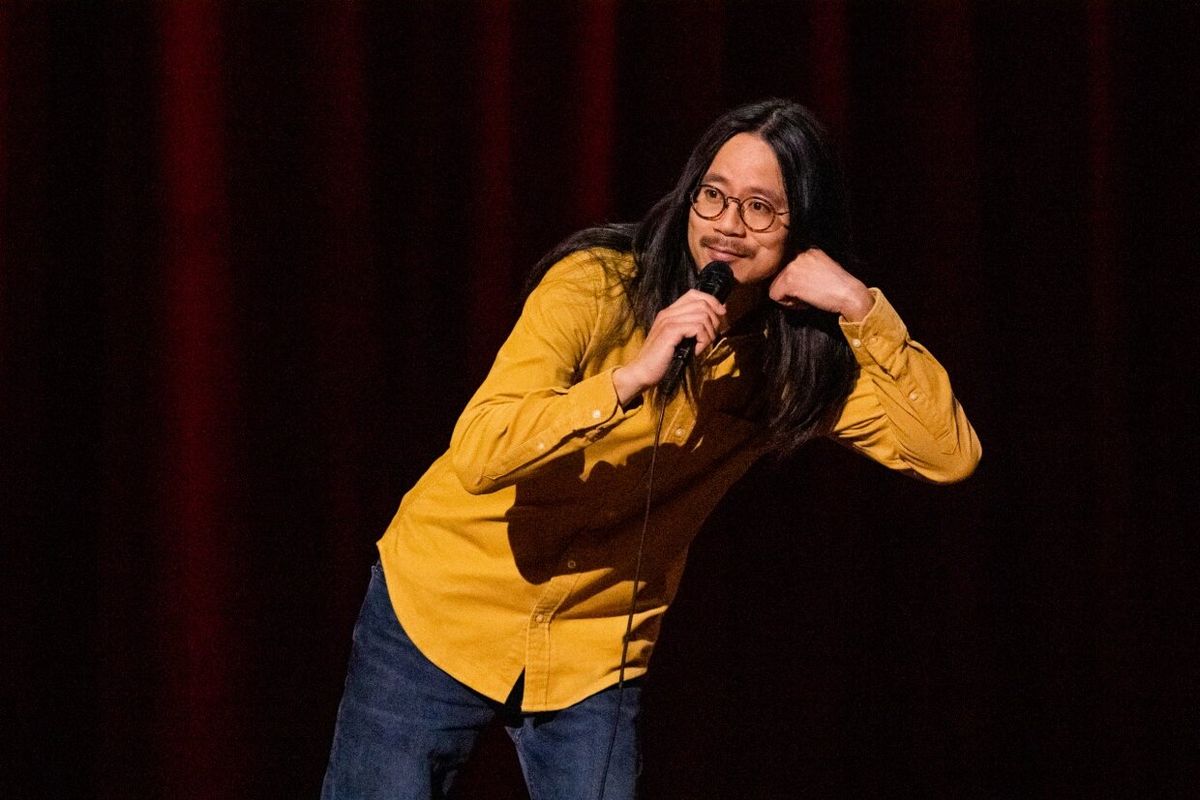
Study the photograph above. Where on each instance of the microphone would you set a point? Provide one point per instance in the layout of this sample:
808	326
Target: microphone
715	279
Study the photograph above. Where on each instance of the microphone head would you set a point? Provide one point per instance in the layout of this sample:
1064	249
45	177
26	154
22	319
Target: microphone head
716	279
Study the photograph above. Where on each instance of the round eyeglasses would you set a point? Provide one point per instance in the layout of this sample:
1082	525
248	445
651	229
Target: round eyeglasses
757	214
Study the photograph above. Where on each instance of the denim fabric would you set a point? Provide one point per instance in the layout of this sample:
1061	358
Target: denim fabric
562	752
405	727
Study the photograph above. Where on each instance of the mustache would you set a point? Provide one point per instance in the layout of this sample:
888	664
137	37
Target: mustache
727	245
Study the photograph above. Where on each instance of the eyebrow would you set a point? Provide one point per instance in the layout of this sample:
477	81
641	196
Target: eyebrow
769	194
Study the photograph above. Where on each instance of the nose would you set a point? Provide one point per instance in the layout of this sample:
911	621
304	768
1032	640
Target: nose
730	221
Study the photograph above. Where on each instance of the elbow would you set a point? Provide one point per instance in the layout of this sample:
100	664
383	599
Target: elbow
959	465
470	475
477	487
467	461
957	472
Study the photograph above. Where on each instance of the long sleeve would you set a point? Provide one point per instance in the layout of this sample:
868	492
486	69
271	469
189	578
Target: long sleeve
902	411
538	403
515	552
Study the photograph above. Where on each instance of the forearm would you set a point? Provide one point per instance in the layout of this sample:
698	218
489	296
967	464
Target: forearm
502	438
627	387
902	411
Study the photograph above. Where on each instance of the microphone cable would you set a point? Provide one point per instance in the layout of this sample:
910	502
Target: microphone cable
717	280
637	574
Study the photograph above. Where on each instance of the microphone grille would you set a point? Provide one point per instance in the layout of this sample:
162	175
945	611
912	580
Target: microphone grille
716	279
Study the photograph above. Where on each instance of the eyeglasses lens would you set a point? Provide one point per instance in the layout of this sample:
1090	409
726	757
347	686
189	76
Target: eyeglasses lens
756	213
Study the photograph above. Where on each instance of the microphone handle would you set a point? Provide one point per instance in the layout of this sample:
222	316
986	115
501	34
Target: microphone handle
670	382
715	279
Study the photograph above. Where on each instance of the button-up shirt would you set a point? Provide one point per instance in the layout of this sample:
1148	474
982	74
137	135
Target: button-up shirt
516	550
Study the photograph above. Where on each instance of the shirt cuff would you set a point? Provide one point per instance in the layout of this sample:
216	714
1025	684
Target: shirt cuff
593	409
877	337
594	403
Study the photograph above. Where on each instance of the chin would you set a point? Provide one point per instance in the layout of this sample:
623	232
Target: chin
748	275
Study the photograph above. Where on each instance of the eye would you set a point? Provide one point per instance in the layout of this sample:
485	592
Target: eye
709	192
760	206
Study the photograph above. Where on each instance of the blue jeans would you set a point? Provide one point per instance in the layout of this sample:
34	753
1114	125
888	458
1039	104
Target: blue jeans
405	727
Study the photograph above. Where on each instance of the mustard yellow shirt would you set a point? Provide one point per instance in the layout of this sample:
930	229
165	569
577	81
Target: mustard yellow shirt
516	550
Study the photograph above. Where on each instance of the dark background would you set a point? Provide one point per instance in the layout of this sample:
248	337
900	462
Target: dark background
255	256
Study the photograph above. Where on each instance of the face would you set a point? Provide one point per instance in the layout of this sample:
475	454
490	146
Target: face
744	167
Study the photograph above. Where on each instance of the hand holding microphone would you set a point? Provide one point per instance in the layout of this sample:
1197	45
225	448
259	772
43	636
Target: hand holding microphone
716	280
687	326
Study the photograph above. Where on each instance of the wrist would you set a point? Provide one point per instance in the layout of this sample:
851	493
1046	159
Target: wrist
627	385
857	302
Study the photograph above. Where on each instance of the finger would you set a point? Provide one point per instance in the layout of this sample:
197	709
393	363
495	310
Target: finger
706	333
698	326
708	299
669	333
694	297
792	303
778	292
692	313
714	307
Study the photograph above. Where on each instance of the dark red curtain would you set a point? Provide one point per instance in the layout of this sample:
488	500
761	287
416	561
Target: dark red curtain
254	257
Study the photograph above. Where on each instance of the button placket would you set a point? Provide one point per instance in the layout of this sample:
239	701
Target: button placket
677	428
556	592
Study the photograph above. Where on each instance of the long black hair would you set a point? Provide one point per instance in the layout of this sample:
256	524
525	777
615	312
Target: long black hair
808	369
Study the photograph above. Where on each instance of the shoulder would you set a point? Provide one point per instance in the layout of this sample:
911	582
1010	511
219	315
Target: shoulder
592	265
585	292
595	273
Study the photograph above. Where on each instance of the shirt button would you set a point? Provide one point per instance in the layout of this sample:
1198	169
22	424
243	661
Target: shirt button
856	342
539	618
679	433
541	445
571	565
913	395
596	413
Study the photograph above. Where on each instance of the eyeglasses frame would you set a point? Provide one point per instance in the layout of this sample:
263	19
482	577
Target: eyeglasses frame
738	202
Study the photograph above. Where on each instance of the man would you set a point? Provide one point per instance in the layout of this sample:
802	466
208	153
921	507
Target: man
506	578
